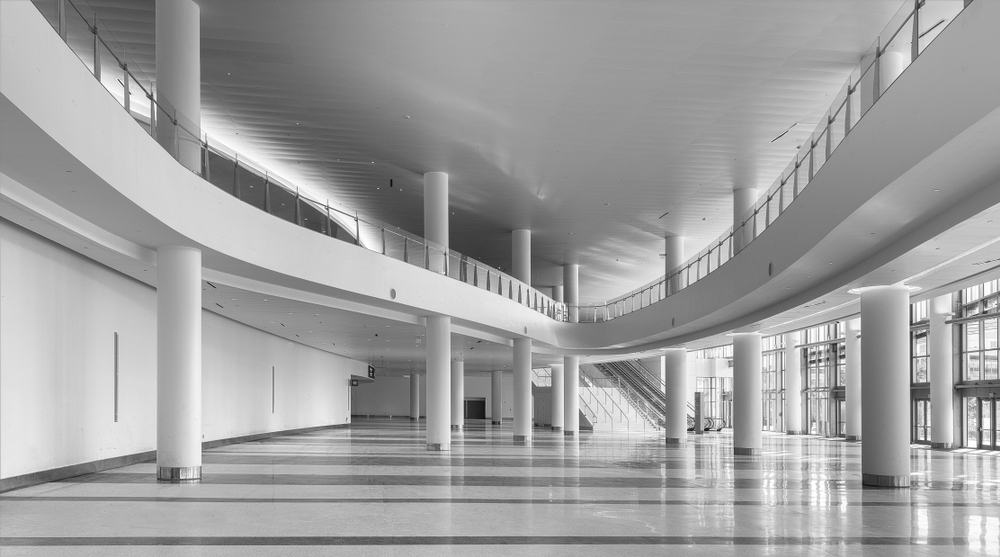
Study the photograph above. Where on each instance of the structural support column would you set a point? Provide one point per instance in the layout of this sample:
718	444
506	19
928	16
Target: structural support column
497	397
747	405
673	257
436	219
942	373
438	347
178	80
414	396
743	201
522	389
852	379
793	384
885	384
571	386
558	397
457	394
571	292
521	255
674	365
178	363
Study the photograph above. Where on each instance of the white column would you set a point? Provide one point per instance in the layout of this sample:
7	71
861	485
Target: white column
674	365
521	255
436	218
747	404
743	201
885	384
178	363
673	257
793	384
178	79
438	412
522	389
571	291
414	396
942	373
557	293
571	386
496	395
558	397
852	379
457	394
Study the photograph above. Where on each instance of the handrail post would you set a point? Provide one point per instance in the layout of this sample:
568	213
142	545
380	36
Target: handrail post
205	170
128	96
915	43
383	239
152	112
795	178
329	226
812	158
267	193
877	71
357	229
97	50
829	137
297	212
847	109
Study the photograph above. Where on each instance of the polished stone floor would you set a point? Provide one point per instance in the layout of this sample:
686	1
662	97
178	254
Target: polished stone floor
373	489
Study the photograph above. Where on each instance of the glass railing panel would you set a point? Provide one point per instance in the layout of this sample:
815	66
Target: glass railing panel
282	203
312	216
221	173
933	18
250	188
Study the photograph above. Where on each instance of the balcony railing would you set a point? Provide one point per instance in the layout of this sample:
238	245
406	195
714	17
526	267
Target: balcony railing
909	32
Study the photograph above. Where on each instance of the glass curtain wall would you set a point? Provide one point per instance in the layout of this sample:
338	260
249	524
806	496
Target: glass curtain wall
773	382
823	363
979	350
920	394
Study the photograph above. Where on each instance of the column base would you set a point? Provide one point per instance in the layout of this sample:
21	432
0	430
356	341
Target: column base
880	480
178	473
794	432
496	422
853	438
557	428
412	419
675	442
942	445
438	447
746	451
522	438
456	427
569	433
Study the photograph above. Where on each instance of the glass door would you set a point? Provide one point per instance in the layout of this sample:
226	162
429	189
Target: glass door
982	427
922	420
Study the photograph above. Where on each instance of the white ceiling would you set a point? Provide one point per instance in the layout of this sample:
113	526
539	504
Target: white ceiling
583	121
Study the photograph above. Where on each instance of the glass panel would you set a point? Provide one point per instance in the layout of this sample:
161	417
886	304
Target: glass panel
990	365
934	17
990	333
221	172
972	336
972	366
920	370
313	218
971	422
251	188
986	421
282	202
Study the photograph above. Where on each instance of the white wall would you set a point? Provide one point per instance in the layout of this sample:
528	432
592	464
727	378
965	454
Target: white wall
59	314
390	396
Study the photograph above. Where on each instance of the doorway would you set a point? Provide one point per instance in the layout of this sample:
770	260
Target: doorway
475	409
982	426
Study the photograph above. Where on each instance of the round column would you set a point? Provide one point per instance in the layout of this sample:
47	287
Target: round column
436	218
793	384
178	79
571	292
558	397
673	257
571	387
414	396
674	364
178	363
438	412
521	255
743	201
496	395
852	379
885	384
457	394
941	373
747	405
522	389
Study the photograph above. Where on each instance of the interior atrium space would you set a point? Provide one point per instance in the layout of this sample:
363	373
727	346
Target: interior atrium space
505	277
